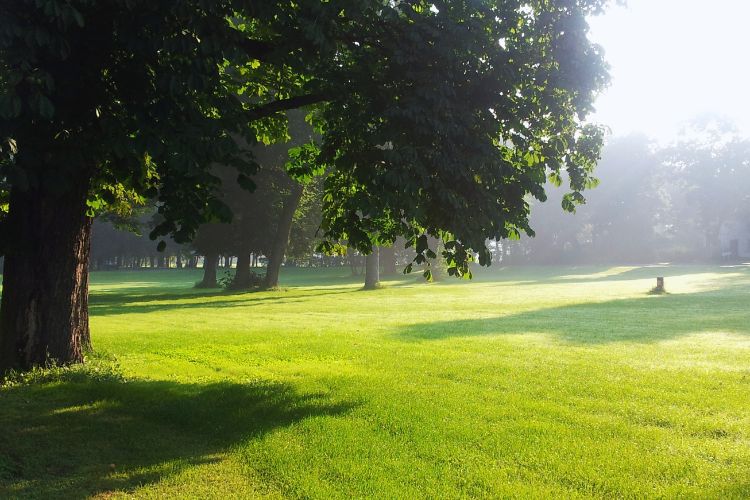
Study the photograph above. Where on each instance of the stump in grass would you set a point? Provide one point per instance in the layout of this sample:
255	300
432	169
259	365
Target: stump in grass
659	288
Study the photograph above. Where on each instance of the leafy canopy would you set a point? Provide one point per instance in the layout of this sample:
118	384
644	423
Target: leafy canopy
436	117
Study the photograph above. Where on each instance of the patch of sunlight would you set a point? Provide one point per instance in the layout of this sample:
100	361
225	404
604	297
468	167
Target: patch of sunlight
612	271
88	407
700	282
718	339
707	351
105	287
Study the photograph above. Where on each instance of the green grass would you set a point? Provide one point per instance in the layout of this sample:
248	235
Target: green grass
544	382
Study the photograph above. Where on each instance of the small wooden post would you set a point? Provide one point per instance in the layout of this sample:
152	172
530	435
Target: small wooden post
660	284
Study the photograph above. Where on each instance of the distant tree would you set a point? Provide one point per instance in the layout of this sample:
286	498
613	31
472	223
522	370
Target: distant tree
372	269
211	240
272	204
622	220
281	236
300	170
306	233
388	259
708	173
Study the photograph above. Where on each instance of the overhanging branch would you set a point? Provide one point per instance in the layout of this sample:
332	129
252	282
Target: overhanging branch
257	49
284	104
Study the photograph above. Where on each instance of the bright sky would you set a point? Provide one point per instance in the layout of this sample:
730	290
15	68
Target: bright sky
672	60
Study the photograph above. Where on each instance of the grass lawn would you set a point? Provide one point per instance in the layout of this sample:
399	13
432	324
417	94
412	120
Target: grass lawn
546	382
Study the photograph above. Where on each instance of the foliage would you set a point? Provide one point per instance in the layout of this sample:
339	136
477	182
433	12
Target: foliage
426	163
655	203
306	233
620	221
97	368
155	112
708	175
225	280
255	214
437	118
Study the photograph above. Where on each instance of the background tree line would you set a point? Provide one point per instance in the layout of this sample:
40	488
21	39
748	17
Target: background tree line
653	204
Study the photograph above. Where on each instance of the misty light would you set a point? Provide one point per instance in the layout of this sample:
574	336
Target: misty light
672	60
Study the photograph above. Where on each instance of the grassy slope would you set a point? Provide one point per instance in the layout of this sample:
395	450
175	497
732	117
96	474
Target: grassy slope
536	382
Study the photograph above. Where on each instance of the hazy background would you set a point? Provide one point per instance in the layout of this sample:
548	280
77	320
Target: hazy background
672	60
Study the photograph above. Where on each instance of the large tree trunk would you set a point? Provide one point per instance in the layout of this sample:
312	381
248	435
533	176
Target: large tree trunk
372	269
281	240
241	279
388	257
44	307
210	263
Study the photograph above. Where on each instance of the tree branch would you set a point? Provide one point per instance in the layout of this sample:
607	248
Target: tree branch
257	49
284	104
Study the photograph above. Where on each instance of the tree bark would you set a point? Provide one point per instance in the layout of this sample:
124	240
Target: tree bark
210	263
281	240
437	265
388	257
372	269
241	279
355	261
44	307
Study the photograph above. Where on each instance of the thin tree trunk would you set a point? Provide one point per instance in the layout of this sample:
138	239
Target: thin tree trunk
388	257
437	266
281	240
498	255
372	269
44	306
210	262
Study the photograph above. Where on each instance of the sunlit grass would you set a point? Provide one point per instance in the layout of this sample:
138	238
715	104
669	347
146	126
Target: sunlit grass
567	382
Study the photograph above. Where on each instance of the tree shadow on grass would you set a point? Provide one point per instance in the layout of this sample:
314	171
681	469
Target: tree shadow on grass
646	319
535	275
76	438
126	303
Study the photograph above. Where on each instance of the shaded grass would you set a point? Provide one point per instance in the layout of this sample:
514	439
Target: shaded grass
535	382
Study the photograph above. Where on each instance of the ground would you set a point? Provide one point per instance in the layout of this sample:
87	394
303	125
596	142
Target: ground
546	382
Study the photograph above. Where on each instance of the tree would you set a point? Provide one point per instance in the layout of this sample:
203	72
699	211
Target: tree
210	241
300	168
372	269
707	177
388	259
305	234
262	219
281	237
441	115
619	221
